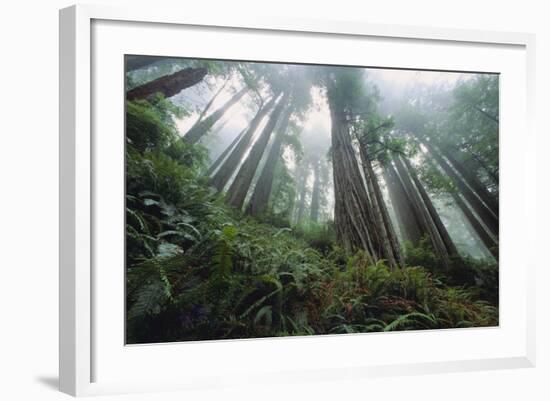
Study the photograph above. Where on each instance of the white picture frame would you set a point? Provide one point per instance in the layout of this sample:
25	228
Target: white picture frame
80	349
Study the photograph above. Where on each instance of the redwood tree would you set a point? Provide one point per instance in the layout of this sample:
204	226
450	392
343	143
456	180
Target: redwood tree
236	194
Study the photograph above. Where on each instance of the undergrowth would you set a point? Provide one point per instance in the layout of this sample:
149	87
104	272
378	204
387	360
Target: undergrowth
197	270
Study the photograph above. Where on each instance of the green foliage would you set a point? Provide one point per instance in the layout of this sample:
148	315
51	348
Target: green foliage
197	270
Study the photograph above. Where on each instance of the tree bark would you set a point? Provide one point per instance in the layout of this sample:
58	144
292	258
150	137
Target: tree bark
475	184
422	212
480	230
388	249
260	197
354	228
211	102
168	85
225	172
485	214
224	154
403	209
303	193
487	240
238	189
316	193
443	233
394	240
200	128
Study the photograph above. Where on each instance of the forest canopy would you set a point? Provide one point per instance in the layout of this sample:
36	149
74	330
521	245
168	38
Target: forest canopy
270	199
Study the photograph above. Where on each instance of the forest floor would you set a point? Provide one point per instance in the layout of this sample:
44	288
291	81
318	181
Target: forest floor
199	270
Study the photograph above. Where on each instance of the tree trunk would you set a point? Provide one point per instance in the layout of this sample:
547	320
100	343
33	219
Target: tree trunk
423	212
403	209
480	230
475	184
488	218
168	85
444	234
388	251
303	193
225	172
223	155
316	193
354	228
211	102
260	197
481	164
394	240
236	194
202	127
487	240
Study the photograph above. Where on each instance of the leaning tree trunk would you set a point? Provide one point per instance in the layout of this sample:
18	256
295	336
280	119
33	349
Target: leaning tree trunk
422	212
168	85
488	218
443	233
354	228
482	164
225	172
316	193
394	240
199	129
236	194
224	154
406	216
260	197
479	229
475	184
488	241
211	102
387	247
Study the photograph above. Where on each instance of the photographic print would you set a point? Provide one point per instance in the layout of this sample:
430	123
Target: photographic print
278	199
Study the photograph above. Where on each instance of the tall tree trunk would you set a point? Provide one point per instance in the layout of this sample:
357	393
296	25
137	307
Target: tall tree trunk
388	249
488	218
354	228
260	197
422	212
481	164
316	193
200	128
168	85
480	230
406	215
475	184
238	189
394	240
211	102
487	240
303	193
227	169
443	233
224	154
